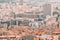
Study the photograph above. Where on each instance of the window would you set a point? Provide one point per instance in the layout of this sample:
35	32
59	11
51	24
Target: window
18	15
13	22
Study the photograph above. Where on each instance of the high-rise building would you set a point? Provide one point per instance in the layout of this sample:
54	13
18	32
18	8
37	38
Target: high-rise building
47	9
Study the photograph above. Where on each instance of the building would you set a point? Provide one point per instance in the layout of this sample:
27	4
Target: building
47	9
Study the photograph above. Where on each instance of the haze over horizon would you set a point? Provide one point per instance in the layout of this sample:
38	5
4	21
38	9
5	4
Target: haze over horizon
32	1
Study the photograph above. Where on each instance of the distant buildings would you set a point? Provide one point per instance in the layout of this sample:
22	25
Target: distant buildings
33	15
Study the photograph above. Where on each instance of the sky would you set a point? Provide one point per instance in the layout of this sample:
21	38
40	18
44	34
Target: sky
2	1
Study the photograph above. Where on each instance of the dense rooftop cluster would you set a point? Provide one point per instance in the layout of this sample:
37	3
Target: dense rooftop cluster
28	19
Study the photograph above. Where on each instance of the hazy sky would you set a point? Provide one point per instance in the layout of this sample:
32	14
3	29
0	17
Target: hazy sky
31	1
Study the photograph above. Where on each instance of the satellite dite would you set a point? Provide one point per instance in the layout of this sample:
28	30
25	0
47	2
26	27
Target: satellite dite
29	19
